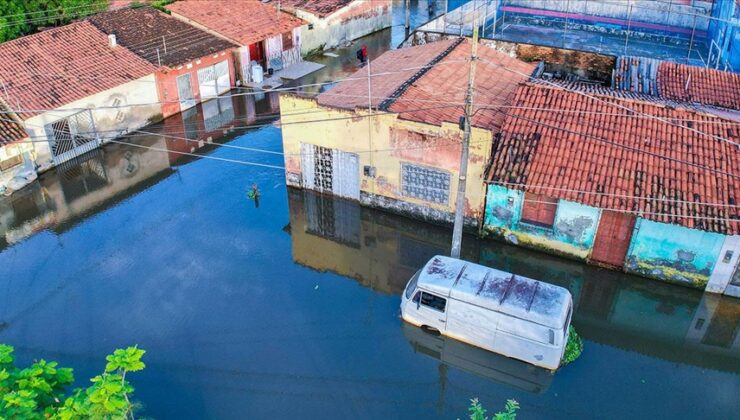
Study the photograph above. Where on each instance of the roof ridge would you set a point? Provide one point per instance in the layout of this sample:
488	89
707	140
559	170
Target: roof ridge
387	102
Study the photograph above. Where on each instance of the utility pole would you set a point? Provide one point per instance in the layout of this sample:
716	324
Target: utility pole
460	202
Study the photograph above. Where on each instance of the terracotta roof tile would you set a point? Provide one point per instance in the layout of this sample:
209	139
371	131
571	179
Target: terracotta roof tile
496	80
320	8
149	33
611	151
437	91
242	21
61	65
698	84
389	72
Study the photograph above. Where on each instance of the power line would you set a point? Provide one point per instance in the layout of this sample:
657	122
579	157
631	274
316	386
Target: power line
241	162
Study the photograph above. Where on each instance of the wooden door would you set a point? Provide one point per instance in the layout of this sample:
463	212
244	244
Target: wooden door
613	238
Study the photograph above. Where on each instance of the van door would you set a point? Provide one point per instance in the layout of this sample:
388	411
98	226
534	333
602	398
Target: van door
431	310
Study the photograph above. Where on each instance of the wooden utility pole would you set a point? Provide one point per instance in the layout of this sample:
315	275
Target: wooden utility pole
460	201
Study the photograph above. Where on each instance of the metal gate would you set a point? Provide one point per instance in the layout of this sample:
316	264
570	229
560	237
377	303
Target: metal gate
185	91
330	171
72	136
223	81
613	238
207	82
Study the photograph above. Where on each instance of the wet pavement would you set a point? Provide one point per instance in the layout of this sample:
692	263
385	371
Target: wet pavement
288	307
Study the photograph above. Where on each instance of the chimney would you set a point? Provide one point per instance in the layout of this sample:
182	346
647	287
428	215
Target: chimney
112	40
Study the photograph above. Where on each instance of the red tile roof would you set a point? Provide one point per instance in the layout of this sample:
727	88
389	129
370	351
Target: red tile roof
61	65
496	79
158	37
10	130
437	91
320	8
389	71
242	21
566	145
698	84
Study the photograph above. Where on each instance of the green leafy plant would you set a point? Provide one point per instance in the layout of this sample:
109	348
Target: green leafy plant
477	412
22	17
38	391
573	348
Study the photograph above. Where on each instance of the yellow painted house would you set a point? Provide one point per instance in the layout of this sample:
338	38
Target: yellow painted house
389	136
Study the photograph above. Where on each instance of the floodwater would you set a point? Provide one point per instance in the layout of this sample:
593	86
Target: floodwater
289	307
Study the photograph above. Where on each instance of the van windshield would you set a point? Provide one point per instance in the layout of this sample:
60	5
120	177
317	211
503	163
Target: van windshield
412	285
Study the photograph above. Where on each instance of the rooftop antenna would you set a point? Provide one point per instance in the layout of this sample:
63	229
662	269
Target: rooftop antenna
164	43
159	60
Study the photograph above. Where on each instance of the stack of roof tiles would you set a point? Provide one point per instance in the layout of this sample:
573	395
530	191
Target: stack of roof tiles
61	65
428	83
697	84
666	164
675	81
243	22
157	37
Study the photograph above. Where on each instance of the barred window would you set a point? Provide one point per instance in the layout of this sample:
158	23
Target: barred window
425	183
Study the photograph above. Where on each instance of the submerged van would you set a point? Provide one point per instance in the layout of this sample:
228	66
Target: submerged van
498	311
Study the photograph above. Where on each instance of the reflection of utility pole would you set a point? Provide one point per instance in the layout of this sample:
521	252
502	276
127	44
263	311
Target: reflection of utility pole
407	25
442	369
460	202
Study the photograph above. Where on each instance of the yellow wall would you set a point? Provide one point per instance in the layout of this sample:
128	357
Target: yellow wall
304	121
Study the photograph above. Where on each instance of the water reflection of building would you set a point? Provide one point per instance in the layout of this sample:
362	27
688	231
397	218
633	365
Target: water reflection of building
382	251
379	250
211	121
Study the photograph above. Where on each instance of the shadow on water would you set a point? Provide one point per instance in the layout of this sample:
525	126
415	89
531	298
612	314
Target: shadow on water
383	251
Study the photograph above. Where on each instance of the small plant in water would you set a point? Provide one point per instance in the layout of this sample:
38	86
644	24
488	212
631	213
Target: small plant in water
573	348
477	412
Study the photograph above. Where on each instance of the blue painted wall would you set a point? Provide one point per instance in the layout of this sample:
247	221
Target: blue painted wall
572	233
674	253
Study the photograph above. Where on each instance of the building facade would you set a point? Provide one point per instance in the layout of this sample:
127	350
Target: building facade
394	152
639	186
334	22
194	65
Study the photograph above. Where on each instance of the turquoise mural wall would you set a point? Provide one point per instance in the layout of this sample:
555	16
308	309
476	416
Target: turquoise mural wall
674	253
572	232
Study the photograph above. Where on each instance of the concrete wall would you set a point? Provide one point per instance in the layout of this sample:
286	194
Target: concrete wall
167	80
572	233
24	148
674	15
673	253
359	18
394	142
136	105
585	65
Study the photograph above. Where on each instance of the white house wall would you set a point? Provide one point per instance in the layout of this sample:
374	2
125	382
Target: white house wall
725	267
116	111
353	21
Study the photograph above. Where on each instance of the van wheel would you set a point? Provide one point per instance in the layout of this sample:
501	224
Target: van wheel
430	330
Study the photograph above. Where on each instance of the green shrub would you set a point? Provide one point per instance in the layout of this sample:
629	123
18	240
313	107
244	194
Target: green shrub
573	348
38	391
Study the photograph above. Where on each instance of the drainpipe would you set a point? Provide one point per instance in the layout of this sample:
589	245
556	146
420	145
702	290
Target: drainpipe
407	25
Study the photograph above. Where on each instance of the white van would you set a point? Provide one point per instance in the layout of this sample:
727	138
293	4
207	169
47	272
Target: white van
501	312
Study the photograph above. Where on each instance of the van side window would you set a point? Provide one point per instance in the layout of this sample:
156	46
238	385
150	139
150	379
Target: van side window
412	285
416	297
434	302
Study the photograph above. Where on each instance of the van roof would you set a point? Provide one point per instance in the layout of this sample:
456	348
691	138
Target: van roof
497	290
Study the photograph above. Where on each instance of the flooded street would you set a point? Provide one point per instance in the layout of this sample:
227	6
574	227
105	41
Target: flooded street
288	307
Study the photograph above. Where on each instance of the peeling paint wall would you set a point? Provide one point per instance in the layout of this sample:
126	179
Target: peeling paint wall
572	233
394	143
673	253
357	19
